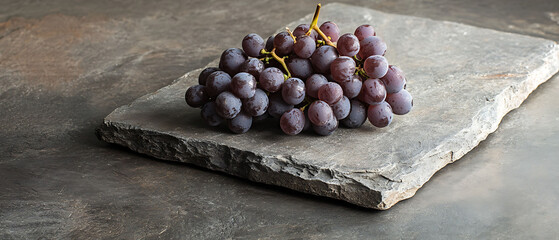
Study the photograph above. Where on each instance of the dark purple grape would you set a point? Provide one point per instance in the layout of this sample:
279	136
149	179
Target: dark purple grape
231	60
283	42
342	69
292	122
253	44
370	46
331	30
314	82
330	93
196	96
256	105
352	87
375	66
205	73
243	85
277	106
299	67
323	57
227	105
364	31
380	114
394	80
293	91
320	113
348	45
341	108
271	79
270	43
401	102
373	91
217	82
357	115
328	128
304	47
303	29
240	123
210	115
253	66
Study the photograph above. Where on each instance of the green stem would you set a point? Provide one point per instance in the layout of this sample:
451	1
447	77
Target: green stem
317	29
291	34
279	59
314	19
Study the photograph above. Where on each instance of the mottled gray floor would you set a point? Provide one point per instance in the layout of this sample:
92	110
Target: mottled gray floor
65	65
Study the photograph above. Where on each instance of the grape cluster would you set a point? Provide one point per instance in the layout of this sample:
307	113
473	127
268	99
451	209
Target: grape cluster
311	78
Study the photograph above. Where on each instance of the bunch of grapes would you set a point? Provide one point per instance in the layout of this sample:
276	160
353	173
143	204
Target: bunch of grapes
311	78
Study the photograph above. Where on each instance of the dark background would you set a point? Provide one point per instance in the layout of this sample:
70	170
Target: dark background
64	65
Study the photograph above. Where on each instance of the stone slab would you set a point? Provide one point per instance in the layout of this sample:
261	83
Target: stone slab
464	79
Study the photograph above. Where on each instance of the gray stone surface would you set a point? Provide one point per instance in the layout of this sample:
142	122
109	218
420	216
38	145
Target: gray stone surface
464	80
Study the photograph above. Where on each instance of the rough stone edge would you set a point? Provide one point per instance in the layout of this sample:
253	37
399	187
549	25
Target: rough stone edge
485	122
278	170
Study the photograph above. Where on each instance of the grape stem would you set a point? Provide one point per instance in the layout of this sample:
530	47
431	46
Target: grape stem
279	59
361	72
314	25
291	34
307	102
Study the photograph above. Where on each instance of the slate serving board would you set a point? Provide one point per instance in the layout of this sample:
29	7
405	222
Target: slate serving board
464	79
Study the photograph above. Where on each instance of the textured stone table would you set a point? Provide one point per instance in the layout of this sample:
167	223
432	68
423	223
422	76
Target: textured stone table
464	80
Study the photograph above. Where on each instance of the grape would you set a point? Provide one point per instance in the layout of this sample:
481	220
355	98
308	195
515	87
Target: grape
303	29
364	31
256	105
277	106
243	85
271	79
331	30
209	114
375	66
371	46
380	114
348	45
253	44
341	108
352	87
283	42
342	69
304	47
253	66
217	82
292	122
320	113
196	96
227	105
328	128
240	123
205	73
322	58
293	91
270	43
314	82
357	115
299	67
401	102
231	60
394	80
330	93
373	91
